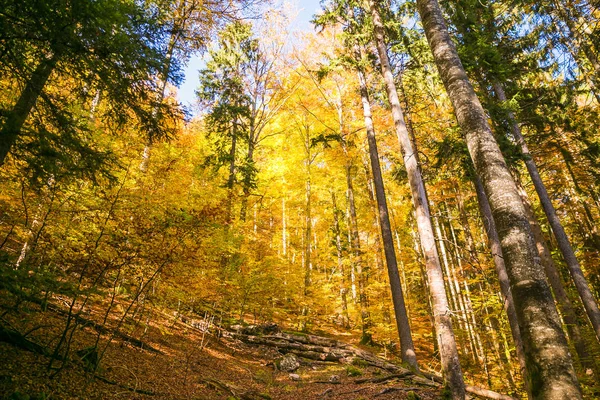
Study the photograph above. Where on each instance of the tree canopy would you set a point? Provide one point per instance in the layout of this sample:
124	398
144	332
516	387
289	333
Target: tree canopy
409	192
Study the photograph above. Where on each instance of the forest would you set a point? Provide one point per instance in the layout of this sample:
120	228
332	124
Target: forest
398	202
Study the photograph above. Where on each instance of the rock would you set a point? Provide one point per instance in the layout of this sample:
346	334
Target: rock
294	377
287	363
334	379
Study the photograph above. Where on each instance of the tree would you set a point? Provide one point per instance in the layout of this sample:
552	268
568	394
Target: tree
443	322
190	24
241	90
223	93
547	356
490	47
114	46
346	13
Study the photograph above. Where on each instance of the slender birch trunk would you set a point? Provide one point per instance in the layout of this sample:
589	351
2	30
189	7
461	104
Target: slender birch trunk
443	322
453	298
407	348
549	365
465	292
418	255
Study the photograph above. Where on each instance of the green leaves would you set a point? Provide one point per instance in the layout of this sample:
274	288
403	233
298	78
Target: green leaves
115	48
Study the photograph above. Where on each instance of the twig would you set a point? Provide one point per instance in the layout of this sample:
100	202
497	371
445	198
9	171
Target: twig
131	389
356	390
396	389
383	378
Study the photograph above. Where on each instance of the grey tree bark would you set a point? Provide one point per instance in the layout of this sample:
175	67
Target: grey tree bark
443	323
564	244
407	348
565	306
549	365
496	249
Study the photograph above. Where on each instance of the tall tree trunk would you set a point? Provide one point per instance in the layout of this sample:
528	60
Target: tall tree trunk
352	264
496	249
307	237
358	262
549	365
560	294
428	291
407	348
453	298
443	323
340	262
231	177
15	118
465	293
283	228
589	302
247	183
372	203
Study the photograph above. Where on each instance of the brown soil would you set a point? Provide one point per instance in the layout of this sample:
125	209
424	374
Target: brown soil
222	369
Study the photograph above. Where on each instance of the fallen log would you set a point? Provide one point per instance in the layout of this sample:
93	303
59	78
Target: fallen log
375	361
286	344
479	391
308	339
307	347
323	349
315	355
16	339
282	344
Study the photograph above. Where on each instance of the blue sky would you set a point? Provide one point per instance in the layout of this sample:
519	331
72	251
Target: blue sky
306	10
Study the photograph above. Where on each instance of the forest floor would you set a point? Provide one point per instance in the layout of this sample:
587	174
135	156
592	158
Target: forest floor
182	362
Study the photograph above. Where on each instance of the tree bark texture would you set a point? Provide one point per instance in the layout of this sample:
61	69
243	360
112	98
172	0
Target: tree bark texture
496	249
550	369
447	342
565	306
407	348
564	244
